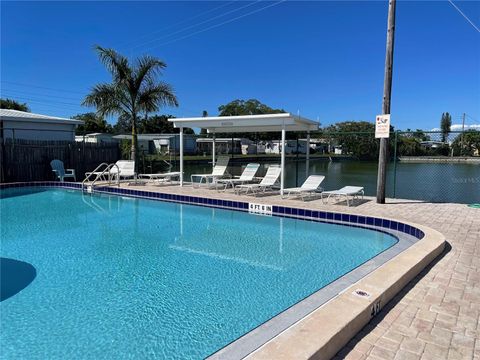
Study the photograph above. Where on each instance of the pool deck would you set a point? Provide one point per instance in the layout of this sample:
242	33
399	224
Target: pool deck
436	316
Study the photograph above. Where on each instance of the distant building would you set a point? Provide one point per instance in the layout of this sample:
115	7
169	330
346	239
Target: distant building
163	143
29	126
96	138
432	144
274	147
319	145
225	145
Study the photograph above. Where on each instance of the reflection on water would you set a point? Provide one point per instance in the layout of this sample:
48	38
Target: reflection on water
422	181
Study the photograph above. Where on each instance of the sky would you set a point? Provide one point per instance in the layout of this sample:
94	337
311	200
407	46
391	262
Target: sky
324	59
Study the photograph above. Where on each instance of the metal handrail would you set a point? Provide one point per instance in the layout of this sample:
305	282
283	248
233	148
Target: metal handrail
101	175
87	178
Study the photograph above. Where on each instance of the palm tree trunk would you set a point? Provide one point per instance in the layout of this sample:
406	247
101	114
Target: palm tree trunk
134	148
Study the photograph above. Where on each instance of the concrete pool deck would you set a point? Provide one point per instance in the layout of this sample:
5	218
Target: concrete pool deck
436	316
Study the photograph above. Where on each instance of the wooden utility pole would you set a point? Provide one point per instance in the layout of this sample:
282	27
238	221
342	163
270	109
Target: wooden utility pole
387	92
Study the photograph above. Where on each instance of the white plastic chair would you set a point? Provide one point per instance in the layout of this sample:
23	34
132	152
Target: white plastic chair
247	176
269	180
218	172
346	191
59	170
310	186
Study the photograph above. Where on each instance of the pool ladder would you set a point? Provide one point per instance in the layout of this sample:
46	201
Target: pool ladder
102	172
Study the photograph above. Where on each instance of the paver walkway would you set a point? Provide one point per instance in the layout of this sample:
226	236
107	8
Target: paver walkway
437	315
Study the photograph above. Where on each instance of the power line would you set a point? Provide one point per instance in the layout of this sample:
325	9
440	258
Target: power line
41	87
178	23
195	25
38	99
472	118
217	25
21	93
465	16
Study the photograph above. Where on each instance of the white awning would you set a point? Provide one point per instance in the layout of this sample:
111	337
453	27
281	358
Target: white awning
248	123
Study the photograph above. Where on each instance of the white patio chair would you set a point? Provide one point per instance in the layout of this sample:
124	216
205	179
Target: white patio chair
270	179
346	191
247	176
310	186
218	172
59	170
161	177
125	169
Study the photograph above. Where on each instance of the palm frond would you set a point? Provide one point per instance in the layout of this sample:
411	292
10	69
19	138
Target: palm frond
108	99
146	70
154	96
115	63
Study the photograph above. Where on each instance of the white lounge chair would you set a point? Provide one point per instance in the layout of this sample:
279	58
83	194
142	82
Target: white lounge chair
218	172
247	176
270	179
125	170
310	186
59	169
161	177
353	191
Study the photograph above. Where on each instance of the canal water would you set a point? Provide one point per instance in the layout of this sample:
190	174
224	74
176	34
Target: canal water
434	182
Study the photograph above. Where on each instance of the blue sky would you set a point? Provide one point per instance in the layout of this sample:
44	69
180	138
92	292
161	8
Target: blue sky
323	58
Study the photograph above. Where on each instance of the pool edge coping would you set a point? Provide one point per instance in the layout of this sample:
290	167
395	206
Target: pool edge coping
326	330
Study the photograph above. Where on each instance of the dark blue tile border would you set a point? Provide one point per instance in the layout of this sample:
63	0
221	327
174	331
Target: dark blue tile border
314	215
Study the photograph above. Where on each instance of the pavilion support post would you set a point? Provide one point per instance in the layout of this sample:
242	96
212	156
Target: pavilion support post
282	163
307	162
181	156
213	150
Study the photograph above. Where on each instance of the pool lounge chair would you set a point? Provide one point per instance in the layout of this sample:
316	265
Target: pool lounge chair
161	177
59	169
346	191
247	176
270	179
218	172
309	187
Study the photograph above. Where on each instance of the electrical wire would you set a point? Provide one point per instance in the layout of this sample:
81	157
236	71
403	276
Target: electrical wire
125	45
465	16
217	25
194	25
40	87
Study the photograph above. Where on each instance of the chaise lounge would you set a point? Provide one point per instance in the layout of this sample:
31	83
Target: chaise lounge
346	191
270	179
309	187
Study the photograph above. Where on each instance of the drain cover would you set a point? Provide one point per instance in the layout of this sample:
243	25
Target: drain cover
361	293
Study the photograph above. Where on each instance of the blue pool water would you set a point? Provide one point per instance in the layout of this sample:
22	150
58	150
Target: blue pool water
126	278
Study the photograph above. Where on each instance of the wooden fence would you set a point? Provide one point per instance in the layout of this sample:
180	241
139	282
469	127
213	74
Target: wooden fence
29	160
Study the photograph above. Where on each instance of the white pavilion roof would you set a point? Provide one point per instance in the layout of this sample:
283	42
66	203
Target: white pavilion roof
248	123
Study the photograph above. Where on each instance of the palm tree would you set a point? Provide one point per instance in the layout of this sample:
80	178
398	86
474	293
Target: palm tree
134	89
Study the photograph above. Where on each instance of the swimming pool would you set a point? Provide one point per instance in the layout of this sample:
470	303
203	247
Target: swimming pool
123	277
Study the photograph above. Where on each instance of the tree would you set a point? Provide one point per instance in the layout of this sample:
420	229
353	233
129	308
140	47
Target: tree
204	131
467	143
13	105
134	89
356	138
250	107
93	123
159	124
445	125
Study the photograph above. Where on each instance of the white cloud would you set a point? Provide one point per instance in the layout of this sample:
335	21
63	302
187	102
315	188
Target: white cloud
458	127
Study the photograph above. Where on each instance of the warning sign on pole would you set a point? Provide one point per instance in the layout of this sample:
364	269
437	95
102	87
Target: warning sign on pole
382	126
